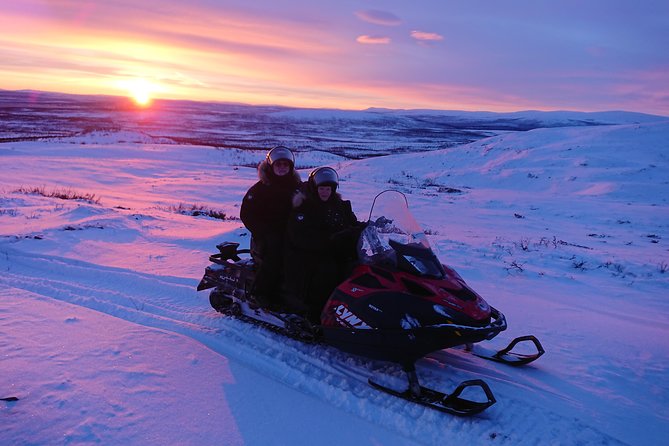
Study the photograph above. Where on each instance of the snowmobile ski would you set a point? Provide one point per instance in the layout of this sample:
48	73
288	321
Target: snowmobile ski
506	355
453	403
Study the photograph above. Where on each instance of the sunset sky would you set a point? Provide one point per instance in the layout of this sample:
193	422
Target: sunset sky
496	55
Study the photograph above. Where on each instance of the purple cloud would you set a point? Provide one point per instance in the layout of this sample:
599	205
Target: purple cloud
378	17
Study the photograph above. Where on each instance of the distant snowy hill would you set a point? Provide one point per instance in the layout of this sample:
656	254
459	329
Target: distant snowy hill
522	120
563	118
114	137
615	161
349	133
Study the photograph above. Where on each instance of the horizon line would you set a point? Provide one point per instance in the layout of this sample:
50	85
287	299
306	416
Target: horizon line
293	107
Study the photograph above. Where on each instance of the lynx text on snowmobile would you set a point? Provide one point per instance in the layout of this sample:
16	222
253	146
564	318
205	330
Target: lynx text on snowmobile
399	304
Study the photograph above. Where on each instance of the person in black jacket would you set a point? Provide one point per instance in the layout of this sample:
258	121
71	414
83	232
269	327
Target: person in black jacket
321	238
264	212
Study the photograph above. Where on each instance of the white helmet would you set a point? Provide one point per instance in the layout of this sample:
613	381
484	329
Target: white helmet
324	176
280	153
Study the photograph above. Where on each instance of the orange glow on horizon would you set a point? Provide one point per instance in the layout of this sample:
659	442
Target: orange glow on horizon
139	90
225	53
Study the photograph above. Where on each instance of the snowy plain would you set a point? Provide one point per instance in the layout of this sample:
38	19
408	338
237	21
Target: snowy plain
104	339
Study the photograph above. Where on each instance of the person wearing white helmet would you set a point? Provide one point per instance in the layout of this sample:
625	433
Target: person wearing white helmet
264	212
321	237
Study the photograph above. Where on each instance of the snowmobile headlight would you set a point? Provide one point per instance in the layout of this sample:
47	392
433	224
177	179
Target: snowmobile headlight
483	305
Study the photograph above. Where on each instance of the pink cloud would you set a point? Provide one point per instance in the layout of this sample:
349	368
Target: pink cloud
373	40
425	36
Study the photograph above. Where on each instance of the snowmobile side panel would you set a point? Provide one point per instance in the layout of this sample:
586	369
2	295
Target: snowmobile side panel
408	345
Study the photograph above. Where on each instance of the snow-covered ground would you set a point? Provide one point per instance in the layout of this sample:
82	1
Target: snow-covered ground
103	338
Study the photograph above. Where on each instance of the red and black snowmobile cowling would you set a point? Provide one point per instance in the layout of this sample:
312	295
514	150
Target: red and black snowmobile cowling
396	316
399	304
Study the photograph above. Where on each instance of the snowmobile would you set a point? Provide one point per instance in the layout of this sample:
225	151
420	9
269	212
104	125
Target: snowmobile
399	304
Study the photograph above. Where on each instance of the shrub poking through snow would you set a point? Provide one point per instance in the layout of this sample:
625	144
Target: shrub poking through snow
60	193
197	210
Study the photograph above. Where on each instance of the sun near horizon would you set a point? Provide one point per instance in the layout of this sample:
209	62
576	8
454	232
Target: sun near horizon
139	90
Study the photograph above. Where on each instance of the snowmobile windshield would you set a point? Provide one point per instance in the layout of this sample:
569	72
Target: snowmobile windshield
394	239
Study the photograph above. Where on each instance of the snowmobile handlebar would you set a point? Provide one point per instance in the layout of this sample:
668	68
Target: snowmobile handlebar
352	233
228	251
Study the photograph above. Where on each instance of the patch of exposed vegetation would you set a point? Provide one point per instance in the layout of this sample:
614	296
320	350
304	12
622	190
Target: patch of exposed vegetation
663	267
198	210
82	227
10	212
60	193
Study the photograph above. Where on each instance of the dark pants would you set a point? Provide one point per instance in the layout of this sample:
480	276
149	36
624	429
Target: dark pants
310	279
268	257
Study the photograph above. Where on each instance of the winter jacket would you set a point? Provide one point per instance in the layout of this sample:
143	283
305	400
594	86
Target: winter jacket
268	202
313	225
320	244
264	212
